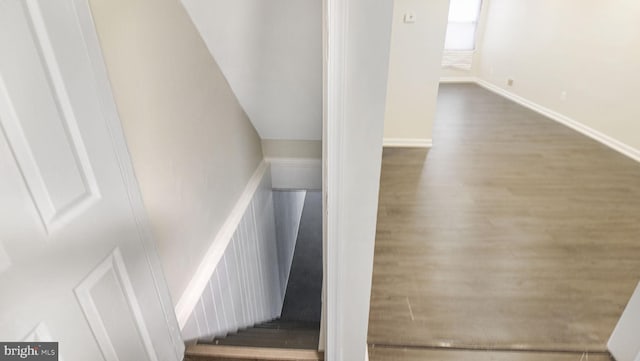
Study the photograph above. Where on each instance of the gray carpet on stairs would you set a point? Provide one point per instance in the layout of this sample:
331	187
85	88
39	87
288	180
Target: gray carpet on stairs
303	297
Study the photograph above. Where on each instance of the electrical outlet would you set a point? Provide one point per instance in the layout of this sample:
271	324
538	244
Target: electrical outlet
563	95
409	18
509	82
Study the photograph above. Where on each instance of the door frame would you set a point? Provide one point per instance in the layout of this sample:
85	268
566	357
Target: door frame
111	117
333	60
356	45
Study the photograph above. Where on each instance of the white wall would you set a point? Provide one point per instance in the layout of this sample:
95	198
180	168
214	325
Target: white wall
271	54
588	49
414	69
245	287
193	147
295	164
288	211
245	277
354	123
452	74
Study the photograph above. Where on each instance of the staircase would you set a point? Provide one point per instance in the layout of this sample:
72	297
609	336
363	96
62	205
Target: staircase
273	340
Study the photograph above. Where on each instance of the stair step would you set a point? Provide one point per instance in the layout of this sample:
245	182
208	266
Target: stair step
206	352
288	340
297	325
278	332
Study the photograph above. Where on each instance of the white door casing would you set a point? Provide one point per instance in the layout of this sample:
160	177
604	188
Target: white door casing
624	343
356	60
77	263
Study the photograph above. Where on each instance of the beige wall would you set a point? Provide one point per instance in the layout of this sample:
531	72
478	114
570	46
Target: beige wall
295	164
309	149
588	49
192	146
414	70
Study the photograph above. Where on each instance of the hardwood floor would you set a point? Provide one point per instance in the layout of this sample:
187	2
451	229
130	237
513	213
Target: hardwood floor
408	354
512	233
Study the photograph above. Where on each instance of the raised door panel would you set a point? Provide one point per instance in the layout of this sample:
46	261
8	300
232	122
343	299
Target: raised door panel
41	127
73	244
109	302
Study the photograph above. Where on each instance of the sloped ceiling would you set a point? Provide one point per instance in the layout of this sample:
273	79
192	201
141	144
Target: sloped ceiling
270	51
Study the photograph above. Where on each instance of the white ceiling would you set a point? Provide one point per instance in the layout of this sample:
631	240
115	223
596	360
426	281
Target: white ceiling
270	51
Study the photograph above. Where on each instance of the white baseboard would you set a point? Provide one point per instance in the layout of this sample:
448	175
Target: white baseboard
219	242
457	79
407	142
296	173
612	143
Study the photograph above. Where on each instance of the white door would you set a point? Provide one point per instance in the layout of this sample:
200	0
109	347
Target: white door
624	343
76	263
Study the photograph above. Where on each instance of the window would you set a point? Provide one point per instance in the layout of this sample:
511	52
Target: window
461	29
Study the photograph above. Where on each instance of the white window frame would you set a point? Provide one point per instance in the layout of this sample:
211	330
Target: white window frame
475	32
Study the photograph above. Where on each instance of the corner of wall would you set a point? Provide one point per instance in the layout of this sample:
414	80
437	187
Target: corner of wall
295	164
574	124
414	70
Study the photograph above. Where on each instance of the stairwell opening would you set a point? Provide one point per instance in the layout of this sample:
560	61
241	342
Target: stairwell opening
298	223
303	294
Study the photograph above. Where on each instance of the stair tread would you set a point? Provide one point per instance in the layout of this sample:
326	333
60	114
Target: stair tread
274	334
278	332
278	342
284	324
270	337
205	352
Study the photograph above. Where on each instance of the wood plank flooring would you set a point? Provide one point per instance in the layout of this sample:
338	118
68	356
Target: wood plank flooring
408	354
512	233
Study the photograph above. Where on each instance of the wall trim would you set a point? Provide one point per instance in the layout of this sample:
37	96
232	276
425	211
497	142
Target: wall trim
296	173
336	33
596	135
219	243
407	142
458	79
